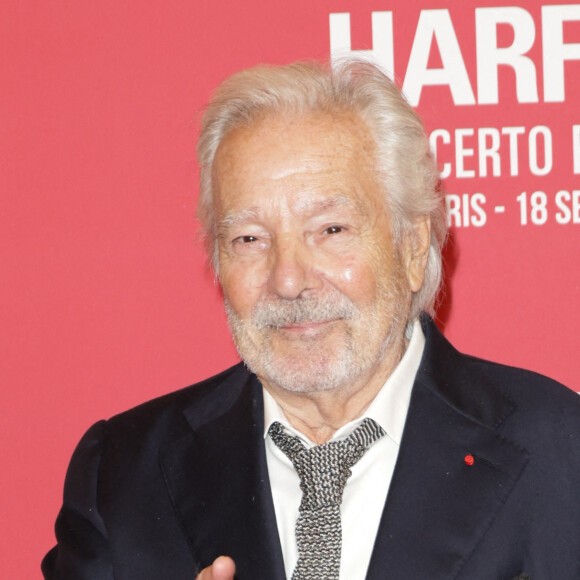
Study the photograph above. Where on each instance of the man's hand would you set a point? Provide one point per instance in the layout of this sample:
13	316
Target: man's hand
223	568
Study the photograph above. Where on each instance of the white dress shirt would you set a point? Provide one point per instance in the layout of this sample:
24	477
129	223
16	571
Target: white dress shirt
366	489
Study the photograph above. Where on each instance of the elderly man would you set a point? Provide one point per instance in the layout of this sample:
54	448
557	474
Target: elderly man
354	442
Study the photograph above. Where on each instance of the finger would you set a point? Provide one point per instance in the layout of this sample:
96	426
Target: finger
223	568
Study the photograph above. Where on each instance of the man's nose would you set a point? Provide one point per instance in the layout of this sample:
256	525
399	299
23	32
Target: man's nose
292	270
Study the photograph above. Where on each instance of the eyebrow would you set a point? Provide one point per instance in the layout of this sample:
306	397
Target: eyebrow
235	218
338	200
305	207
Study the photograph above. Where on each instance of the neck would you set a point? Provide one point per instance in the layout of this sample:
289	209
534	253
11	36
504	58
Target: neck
319	414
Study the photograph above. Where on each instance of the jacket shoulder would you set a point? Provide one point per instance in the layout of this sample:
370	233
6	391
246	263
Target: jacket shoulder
494	390
186	395
166	417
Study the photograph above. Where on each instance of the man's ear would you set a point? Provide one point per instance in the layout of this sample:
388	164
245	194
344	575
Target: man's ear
417	243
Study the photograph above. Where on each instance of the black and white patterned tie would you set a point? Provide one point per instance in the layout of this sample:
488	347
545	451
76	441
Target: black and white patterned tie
323	472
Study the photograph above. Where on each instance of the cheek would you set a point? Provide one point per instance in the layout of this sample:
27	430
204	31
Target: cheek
354	276
242	287
348	271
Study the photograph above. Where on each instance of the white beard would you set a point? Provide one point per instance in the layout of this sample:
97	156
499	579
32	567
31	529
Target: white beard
318	363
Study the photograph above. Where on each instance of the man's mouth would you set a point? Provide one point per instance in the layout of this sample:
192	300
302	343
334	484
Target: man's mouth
306	327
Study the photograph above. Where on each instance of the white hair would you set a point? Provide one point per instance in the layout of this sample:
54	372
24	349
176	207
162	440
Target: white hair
404	161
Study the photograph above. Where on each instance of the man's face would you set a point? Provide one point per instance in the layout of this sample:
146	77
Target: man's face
317	296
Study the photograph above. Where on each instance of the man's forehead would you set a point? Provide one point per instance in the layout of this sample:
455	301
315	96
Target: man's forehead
275	127
301	166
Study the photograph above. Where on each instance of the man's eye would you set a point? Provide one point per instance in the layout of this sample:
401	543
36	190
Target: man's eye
333	230
245	239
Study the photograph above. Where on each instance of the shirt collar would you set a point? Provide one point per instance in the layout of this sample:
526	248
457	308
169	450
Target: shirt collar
389	407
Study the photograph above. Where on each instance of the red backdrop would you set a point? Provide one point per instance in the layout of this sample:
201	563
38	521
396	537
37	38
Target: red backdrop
106	299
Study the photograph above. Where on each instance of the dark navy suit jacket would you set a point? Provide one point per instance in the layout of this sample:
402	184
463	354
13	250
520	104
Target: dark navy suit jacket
158	492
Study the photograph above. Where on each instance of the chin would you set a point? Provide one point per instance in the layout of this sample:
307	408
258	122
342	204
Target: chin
309	367
301	364
306	375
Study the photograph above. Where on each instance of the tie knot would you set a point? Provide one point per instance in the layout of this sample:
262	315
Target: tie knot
324	469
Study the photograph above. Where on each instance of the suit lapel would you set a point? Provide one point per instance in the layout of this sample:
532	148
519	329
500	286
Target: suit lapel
439	507
218	480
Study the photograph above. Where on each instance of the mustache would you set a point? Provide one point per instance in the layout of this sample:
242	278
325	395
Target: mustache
280	312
